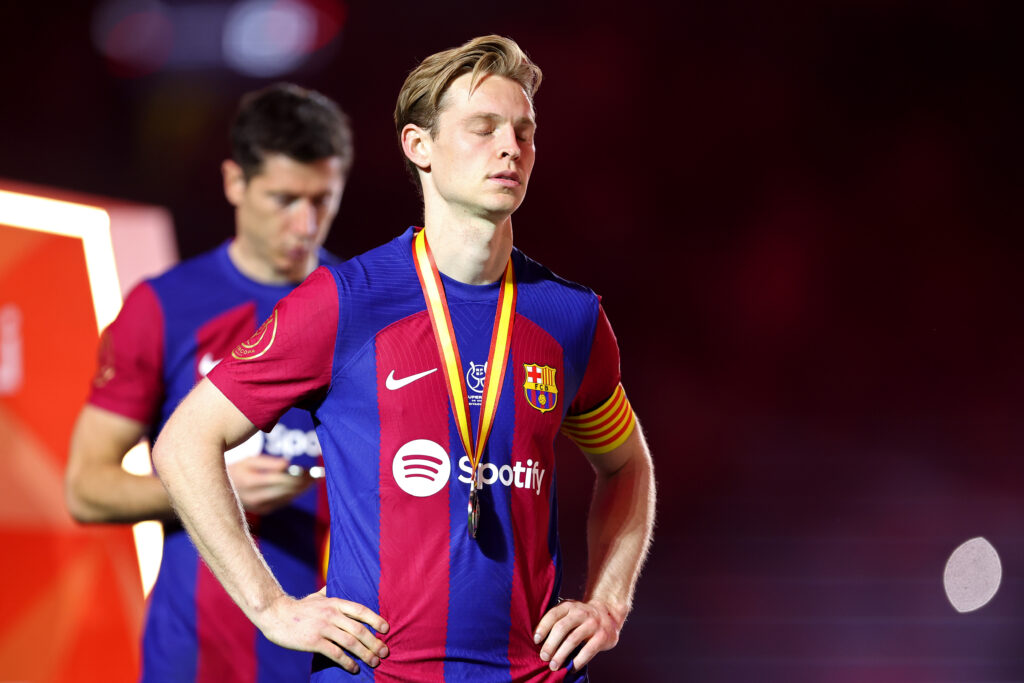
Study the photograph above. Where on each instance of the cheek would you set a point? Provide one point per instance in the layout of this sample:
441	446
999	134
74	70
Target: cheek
265	215
323	225
526	162
467	148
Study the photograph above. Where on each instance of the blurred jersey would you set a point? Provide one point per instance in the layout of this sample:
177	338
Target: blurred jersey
172	330
355	345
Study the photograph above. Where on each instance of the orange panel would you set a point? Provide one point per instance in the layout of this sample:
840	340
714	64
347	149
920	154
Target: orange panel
76	606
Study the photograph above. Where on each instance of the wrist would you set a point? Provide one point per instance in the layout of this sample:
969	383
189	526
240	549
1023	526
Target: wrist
265	600
616	610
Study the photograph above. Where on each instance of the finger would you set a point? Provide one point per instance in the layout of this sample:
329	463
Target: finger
276	486
269	462
259	463
569	644
336	654
557	634
586	653
353	644
357	639
549	620
364	614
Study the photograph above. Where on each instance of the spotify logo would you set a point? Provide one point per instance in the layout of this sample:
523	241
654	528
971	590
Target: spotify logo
421	468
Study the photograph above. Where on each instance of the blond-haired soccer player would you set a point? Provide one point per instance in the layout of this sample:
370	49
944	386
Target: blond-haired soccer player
440	367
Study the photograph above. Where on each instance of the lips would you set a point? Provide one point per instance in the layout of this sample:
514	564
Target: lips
298	253
506	178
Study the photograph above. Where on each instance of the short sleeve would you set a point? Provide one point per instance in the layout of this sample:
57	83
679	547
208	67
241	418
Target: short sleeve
602	374
600	417
288	360
129	375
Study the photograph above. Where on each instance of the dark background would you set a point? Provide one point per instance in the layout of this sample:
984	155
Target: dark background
804	219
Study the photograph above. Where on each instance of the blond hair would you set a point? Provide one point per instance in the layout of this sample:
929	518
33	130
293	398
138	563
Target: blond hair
420	99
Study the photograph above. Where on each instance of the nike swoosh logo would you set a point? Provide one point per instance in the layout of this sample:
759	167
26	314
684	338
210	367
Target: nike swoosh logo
392	383
207	363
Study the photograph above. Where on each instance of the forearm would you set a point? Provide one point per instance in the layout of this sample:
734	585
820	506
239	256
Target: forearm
97	487
112	495
619	529
618	534
189	457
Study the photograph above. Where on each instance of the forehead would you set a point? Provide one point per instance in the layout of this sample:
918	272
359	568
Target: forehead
282	171
490	95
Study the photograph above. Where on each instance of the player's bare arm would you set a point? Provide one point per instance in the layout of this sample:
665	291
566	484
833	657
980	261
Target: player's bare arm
189	457
619	530
98	490
96	487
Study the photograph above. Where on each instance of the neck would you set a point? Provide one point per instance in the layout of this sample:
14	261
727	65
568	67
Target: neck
259	269
473	252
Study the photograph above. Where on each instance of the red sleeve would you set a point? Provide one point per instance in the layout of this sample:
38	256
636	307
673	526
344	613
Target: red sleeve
129	376
600	418
288	360
602	374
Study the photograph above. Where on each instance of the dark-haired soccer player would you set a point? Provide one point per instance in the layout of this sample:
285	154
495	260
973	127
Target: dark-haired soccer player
291	150
440	367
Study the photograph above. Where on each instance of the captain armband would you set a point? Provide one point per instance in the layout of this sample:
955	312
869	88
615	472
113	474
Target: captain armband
604	428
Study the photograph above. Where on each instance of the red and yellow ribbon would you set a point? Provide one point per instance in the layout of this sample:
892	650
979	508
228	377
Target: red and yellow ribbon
444	336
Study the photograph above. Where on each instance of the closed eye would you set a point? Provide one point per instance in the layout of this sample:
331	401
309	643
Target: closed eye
283	200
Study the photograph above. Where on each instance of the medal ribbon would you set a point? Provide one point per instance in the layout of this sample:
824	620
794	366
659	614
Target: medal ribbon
444	336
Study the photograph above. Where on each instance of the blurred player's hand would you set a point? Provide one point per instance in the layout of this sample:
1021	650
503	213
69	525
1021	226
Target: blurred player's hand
591	626
263	483
333	627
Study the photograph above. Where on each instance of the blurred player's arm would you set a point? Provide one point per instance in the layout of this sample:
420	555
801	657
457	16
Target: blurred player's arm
189	457
96	487
619	530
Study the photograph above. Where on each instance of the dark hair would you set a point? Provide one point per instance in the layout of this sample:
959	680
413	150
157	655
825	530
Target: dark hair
286	119
421	98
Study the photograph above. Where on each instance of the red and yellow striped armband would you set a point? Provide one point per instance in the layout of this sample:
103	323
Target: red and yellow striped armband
605	427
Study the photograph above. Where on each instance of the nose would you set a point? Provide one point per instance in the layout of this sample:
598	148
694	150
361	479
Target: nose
510	146
303	219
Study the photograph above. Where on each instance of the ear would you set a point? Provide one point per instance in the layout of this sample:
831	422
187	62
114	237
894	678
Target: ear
234	181
417	145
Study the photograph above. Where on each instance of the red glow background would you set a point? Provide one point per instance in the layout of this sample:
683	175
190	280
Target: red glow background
804	219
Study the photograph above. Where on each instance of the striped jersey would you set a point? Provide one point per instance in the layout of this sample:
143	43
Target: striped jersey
171	331
354	345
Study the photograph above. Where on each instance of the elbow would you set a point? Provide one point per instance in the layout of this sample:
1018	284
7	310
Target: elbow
80	505
79	509
157	458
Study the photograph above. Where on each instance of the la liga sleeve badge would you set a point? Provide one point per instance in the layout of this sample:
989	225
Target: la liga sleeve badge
540	387
260	342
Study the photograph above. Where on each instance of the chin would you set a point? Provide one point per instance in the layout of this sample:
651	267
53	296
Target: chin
505	205
291	269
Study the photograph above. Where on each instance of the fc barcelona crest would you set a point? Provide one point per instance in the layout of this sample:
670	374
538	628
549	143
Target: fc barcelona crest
541	390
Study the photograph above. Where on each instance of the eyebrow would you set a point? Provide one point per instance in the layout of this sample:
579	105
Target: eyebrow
494	118
288	194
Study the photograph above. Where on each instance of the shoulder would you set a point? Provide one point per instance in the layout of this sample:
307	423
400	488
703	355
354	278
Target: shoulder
328	258
196	273
542	290
377	271
142	313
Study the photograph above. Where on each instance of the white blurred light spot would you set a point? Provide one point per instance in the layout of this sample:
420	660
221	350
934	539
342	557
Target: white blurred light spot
149	536
269	37
972	575
138	33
